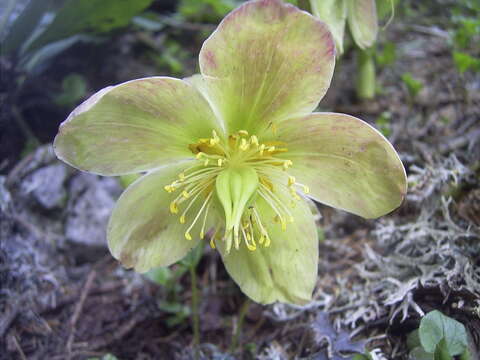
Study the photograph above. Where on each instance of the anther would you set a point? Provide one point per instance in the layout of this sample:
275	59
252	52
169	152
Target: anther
287	164
291	180
185	194
199	155
243	132
182	219
173	207
188	236
254	140
262	149
212	243
244	145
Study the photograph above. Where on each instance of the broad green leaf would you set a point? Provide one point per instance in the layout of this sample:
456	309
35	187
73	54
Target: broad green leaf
142	233
285	271
418	353
346	163
435	326
441	351
363	23
135	126
89	16
267	61
334	14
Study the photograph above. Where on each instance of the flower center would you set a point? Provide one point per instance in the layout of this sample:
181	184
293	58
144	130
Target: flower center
236	172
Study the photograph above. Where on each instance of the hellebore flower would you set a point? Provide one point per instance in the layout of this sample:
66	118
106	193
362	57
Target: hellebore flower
232	152
361	16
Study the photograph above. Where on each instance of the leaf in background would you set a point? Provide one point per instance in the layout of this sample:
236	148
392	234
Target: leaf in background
25	24
38	61
387	55
435	326
414	86
339	342
90	17
465	62
74	88
160	275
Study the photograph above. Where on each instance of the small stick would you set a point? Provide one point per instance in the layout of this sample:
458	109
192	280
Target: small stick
77	311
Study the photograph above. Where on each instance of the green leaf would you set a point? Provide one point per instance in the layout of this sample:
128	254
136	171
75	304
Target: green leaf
24	26
418	353
465	62
414	86
74	88
413	340
435	327
441	351
160	275
387	55
89	16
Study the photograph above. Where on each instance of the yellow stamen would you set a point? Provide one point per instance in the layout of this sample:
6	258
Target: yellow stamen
188	236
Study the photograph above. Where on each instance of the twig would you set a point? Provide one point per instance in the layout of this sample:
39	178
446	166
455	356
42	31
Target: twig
119	333
77	311
8	319
19	348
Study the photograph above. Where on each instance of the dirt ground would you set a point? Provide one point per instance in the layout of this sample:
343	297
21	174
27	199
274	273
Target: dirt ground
62	296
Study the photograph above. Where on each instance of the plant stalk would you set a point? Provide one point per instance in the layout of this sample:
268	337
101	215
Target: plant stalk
365	74
195	315
238	330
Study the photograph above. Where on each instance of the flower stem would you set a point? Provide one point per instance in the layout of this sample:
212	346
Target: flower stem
366	74
195	316
238	329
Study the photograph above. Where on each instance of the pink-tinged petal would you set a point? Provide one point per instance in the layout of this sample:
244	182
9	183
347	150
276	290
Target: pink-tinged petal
285	271
135	126
142	233
345	162
363	22
334	14
266	62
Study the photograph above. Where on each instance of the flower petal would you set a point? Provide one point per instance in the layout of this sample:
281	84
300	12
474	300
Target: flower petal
334	14
285	271
135	126
363	23
267	61
142	233
346	163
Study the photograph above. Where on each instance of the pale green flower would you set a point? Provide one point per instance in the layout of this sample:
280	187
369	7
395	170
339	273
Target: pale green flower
361	16
233	152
